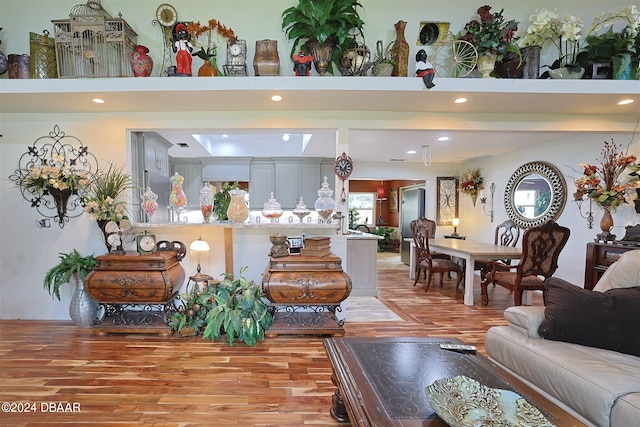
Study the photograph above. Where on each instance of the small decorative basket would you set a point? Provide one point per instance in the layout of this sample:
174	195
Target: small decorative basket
355	61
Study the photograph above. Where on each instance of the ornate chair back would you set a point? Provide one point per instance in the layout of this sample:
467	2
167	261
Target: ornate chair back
507	234
541	247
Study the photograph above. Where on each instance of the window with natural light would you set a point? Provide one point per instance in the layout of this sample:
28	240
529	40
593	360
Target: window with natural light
364	205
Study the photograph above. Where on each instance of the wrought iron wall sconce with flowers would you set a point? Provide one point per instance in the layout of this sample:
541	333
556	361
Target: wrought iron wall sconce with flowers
483	200
54	174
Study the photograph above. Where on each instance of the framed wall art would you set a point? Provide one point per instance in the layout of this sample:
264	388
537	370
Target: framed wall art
393	200
447	199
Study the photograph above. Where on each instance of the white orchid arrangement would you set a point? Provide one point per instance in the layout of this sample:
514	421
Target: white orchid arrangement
546	26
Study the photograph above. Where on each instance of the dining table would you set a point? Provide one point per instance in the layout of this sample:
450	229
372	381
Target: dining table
469	251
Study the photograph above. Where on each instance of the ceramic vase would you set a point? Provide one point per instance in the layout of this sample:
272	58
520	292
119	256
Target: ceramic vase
400	51
19	66
207	69
606	224
531	59
83	309
486	64
566	73
141	63
238	211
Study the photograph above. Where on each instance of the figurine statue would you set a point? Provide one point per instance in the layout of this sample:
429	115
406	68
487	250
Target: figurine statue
424	69
302	64
182	48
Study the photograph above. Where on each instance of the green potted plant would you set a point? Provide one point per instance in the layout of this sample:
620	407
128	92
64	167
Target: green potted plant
190	317
321	28
382	62
239	311
82	308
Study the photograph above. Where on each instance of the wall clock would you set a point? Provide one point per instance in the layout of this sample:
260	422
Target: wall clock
166	15
236	58
343	168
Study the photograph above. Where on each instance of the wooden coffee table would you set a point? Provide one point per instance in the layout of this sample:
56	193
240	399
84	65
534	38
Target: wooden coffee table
381	381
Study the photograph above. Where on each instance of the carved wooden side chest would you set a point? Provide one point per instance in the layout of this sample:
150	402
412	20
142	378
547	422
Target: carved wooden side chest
305	292
136	291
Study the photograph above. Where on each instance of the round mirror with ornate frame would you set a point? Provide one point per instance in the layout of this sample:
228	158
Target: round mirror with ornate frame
535	194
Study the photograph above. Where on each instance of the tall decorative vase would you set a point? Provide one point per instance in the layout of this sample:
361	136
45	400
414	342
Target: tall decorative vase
622	67
531	59
141	63
238	211
606	224
400	51
321	53
486	64
83	309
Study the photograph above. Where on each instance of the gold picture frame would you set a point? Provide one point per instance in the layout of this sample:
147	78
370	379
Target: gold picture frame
446	199
393	200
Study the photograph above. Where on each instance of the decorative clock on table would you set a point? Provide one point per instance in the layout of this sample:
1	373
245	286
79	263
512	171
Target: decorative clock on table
146	243
236	58
343	168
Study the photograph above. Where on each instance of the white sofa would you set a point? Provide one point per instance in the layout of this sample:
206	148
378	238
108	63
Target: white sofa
601	387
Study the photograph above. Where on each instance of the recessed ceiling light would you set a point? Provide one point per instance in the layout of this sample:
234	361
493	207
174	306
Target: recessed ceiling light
98	100
276	98
443	138
224	135
285	137
460	100
411	152
625	102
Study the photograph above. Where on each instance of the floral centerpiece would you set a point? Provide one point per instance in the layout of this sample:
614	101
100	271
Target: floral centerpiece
491	34
471	183
59	176
603	183
209	53
547	27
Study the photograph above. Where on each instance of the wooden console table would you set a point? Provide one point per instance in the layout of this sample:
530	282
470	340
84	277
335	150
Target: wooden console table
305	292
599	257
135	291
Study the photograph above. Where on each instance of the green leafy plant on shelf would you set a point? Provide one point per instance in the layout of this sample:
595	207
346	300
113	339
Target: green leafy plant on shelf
61	273
314	23
221	200
239	311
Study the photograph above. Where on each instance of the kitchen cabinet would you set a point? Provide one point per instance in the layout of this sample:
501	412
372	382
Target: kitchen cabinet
262	180
295	178
192	174
156	154
362	253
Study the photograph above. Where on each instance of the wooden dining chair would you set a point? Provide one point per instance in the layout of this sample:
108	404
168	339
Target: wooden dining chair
507	234
541	247
427	263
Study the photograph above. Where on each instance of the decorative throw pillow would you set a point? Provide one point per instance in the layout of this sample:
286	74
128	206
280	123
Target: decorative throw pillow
624	273
608	320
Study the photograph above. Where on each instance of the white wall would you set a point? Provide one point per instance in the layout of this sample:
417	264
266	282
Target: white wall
28	251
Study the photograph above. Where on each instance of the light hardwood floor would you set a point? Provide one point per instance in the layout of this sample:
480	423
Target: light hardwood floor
128	380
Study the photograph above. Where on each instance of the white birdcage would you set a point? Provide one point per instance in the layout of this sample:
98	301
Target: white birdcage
93	44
